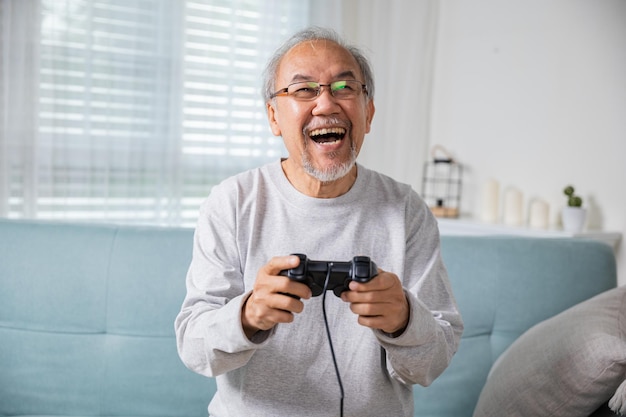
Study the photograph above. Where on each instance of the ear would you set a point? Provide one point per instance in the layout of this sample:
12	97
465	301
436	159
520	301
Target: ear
272	118
370	110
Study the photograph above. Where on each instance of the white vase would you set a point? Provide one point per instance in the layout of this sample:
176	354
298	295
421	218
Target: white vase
573	219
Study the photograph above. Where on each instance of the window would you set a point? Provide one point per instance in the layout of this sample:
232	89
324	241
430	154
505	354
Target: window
130	110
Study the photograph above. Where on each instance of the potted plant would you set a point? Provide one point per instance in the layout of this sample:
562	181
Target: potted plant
573	215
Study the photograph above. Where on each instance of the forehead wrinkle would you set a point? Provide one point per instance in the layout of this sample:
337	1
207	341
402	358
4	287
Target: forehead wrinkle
347	74
300	77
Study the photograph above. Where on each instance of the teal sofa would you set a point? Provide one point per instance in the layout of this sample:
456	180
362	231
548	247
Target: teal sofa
87	312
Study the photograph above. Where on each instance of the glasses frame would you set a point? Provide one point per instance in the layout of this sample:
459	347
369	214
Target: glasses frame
284	92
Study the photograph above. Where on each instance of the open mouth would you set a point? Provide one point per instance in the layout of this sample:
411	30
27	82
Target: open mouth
327	135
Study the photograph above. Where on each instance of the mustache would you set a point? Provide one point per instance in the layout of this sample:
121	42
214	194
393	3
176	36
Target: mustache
327	121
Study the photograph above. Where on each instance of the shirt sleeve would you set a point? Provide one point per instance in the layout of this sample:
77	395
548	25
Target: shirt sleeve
424	350
215	297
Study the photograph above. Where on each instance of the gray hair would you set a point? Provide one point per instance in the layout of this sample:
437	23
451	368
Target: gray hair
314	34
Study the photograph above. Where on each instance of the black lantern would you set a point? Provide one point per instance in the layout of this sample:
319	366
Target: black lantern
441	184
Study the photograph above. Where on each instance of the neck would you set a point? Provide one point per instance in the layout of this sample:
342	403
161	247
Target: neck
313	187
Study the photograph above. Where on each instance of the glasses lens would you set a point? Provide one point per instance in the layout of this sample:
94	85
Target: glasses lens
306	90
345	89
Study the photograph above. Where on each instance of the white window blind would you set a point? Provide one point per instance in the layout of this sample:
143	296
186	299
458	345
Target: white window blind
131	110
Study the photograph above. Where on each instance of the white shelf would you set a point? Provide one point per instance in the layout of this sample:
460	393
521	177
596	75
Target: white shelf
474	228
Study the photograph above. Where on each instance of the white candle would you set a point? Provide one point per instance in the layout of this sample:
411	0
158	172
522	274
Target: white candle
491	196
539	214
513	207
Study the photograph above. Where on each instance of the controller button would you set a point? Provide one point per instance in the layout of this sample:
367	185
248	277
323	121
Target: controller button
361	271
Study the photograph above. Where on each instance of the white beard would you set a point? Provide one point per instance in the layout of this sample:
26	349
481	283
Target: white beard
332	173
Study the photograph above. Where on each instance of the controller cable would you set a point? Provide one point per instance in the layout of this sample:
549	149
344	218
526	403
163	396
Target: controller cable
330	342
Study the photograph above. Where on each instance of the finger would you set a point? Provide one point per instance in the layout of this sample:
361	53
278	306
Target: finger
278	292
382	323
264	313
373	322
377	316
288	302
372	309
296	289
280	263
380	282
257	316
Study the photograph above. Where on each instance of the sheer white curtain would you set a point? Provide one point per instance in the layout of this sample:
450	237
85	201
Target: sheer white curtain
130	110
18	100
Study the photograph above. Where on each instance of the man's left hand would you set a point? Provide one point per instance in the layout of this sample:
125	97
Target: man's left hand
380	303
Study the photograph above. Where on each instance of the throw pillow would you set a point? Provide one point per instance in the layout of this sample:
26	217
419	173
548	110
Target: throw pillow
568	365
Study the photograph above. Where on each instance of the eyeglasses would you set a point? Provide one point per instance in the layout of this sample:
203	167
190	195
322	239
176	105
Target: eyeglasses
309	90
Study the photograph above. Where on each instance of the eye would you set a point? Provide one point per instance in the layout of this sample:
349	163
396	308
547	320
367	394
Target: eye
304	89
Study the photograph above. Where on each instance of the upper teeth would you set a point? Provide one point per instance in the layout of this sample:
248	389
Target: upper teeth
330	130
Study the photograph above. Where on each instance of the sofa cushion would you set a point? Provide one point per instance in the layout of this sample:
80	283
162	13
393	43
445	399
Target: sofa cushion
87	321
568	365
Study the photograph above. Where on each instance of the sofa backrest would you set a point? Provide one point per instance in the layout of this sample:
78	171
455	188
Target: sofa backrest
87	312
87	321
503	286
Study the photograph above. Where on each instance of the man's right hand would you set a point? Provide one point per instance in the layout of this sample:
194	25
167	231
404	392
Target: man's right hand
270	302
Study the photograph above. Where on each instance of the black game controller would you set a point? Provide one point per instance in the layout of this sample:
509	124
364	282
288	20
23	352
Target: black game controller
313	273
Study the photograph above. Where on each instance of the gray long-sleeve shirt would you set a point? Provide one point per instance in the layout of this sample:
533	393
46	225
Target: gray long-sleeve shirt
288	371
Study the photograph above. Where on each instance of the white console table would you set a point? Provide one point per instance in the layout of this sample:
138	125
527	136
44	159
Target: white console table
469	227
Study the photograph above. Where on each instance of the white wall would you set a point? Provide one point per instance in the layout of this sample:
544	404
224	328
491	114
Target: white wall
533	93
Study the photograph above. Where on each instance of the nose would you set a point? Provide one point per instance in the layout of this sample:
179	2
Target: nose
325	102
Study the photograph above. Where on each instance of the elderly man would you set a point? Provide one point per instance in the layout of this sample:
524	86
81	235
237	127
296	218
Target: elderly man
276	349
